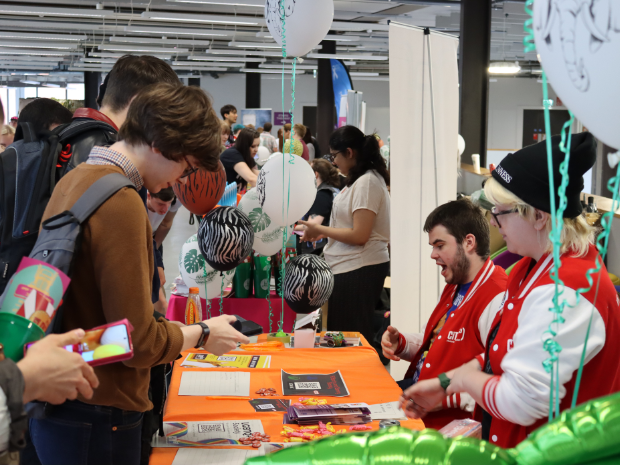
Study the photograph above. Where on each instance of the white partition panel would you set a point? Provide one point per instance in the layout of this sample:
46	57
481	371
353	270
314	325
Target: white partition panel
424	111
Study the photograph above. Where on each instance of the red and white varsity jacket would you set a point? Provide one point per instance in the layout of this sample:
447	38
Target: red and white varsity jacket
462	337
517	397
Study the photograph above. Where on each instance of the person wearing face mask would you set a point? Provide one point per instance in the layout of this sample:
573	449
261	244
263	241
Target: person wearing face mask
158	145
509	381
457	330
239	160
358	232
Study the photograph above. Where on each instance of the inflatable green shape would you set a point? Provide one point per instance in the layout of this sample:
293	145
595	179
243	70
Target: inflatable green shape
585	435
392	446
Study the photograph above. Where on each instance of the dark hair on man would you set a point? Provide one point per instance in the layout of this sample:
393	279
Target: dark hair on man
42	113
165	195
308	136
287	127
176	120
227	109
460	218
267	127
367	149
244	142
328	172
130	74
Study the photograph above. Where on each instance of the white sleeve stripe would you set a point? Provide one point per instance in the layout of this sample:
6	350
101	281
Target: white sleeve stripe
489	397
448	402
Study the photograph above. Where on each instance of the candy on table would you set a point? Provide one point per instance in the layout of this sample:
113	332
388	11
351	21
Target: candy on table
309	433
312	401
335	339
360	428
267	392
255	439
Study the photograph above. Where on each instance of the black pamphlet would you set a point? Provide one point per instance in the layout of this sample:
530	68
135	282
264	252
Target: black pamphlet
331	385
270	405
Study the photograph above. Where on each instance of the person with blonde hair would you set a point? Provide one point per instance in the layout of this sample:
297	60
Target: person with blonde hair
510	381
299	146
6	136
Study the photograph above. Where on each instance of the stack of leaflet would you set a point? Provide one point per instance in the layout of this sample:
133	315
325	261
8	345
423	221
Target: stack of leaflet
336	414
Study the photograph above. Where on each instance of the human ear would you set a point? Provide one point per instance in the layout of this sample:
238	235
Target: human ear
540	219
469	243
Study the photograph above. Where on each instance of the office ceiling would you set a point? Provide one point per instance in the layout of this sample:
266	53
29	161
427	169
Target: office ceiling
58	40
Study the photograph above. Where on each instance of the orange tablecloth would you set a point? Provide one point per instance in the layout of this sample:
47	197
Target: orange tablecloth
365	376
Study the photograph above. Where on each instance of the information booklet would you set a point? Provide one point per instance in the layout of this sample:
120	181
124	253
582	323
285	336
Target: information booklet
209	433
226	361
337	414
331	385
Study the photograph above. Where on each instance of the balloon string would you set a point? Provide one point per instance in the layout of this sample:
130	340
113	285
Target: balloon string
528	40
270	309
208	309
222	295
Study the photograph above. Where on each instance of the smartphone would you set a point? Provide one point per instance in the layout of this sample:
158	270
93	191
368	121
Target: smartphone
105	344
247	327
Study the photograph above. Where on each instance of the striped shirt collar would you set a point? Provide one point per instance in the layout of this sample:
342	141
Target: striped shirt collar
107	156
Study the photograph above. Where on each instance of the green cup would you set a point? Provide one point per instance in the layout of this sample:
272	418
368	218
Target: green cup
15	332
262	276
242	281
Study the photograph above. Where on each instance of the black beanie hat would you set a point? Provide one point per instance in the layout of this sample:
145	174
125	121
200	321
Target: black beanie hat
525	173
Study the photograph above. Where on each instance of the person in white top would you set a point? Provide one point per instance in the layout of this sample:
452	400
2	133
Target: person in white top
267	140
359	232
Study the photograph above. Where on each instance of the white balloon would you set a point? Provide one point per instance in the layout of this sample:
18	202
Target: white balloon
461	145
579	48
286	190
267	233
263	155
192	268
306	23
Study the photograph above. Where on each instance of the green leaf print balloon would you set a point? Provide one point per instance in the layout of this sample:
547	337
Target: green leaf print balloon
259	219
193	262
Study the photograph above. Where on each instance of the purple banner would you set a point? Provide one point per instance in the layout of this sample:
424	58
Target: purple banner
280	118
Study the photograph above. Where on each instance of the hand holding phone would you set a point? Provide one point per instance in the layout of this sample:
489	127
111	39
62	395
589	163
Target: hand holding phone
52	374
223	337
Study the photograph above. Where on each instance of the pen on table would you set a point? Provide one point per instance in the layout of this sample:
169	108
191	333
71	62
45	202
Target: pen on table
227	398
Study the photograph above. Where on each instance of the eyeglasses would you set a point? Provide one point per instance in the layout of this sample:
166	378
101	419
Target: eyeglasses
497	213
332	156
189	170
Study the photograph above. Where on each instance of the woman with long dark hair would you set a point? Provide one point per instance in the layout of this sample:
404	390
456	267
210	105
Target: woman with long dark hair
359	231
328	186
239	161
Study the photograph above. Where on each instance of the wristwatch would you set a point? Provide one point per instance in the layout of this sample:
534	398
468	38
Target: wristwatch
204	336
444	381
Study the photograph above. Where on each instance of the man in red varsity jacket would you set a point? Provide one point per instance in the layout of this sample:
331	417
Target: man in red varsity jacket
458	328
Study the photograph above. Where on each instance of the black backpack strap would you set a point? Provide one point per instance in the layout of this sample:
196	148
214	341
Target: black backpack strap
97	194
78	126
25	132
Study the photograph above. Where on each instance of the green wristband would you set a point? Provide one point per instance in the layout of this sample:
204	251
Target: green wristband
444	381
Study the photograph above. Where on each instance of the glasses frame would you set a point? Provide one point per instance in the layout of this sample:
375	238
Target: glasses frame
502	212
332	156
192	169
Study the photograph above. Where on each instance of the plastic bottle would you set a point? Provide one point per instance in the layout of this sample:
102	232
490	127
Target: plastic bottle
193	310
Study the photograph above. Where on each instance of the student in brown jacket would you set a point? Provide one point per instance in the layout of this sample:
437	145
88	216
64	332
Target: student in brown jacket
170	132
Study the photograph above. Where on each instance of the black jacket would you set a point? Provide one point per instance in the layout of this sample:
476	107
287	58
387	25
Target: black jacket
82	145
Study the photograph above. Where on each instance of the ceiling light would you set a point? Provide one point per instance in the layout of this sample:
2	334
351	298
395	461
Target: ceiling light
341	38
210	58
264	35
256	4
504	67
30	59
170	40
141	48
49	84
199	68
354	74
227	64
348	57
40	35
254	45
32	53
92	70
22	44
8	65
43	11
212	19
261	53
379	78
268	71
34	83
174	32
349	63
276	66
118	55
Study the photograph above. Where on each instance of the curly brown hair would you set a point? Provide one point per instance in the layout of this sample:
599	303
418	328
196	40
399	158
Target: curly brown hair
176	120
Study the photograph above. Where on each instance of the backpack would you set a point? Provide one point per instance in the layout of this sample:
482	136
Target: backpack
60	235
29	171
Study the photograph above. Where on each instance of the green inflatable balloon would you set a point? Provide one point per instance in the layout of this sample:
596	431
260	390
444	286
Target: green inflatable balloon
585	435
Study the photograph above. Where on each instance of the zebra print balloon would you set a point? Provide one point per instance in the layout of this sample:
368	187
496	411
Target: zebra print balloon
225	238
308	283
